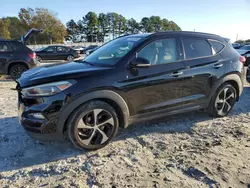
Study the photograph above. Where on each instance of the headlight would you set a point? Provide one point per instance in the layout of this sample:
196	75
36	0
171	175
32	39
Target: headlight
46	89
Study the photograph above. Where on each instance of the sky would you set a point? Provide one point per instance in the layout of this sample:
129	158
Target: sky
228	18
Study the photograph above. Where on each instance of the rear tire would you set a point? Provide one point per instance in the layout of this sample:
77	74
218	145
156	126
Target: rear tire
92	125
223	100
70	58
17	70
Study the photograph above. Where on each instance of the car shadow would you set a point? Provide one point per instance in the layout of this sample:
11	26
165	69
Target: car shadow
18	150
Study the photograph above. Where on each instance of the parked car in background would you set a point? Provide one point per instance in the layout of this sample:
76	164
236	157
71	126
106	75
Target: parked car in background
89	48
236	45
245	51
79	48
57	53
88	52
132	78
15	58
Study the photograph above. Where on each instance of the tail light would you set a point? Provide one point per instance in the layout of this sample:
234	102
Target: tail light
242	59
32	55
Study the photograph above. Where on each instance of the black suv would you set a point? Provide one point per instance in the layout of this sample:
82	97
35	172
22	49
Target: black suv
15	58
132	78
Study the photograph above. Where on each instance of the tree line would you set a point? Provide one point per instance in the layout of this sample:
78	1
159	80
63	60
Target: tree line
15	27
91	28
95	27
243	41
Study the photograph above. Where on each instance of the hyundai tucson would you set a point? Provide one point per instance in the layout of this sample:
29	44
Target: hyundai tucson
132	78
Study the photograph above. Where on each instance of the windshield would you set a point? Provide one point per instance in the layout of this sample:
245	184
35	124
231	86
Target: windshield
245	48
112	52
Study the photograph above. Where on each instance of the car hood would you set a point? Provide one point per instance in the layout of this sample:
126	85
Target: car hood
65	71
242	52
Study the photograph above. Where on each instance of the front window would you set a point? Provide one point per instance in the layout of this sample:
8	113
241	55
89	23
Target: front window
161	51
112	52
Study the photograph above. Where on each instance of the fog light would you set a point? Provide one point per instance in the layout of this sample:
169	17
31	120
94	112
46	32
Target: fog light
36	115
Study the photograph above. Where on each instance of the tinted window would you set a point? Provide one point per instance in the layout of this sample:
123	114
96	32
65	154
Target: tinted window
4	47
160	52
18	46
51	49
217	46
195	48
61	49
245	47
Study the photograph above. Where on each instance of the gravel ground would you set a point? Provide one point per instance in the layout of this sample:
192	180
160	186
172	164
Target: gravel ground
188	150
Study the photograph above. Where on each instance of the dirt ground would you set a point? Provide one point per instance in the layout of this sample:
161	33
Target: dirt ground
187	150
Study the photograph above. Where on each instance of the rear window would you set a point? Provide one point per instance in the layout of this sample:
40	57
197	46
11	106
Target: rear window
196	48
4	47
217	46
18	46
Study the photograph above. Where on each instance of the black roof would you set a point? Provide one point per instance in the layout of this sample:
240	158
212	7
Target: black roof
179	33
2	39
186	33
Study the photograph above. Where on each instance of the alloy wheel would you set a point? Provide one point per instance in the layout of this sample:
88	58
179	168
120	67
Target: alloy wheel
95	127
225	100
70	58
17	71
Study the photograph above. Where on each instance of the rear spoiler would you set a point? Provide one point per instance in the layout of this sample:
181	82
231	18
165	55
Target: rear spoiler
227	40
27	36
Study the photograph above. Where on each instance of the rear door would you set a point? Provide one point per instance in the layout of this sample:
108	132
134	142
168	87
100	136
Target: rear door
203	65
49	53
62	52
6	54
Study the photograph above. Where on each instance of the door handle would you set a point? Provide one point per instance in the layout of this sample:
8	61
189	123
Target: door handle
218	65
174	74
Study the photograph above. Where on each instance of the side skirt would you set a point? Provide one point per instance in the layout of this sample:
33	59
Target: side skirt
163	113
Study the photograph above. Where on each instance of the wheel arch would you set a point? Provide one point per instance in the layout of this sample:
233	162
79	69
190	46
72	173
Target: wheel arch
110	97
234	79
12	63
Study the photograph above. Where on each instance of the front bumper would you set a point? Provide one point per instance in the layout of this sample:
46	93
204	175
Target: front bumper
44	128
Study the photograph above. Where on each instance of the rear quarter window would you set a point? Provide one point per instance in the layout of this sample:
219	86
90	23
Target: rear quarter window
217	46
196	48
18	46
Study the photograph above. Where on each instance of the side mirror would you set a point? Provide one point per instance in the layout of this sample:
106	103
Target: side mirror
140	62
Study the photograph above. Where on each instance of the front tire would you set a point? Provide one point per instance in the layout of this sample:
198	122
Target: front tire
223	100
17	70
92	125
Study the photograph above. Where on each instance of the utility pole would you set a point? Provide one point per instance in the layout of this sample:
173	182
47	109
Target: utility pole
237	37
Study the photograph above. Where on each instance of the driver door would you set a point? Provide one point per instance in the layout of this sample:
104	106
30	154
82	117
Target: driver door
158	86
